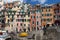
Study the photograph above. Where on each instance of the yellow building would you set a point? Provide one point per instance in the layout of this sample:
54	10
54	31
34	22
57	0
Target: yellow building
47	15
9	19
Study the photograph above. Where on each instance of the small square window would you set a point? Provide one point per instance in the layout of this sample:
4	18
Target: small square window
33	22
37	23
22	20
37	16
17	24
25	20
12	25
8	20
21	24
17	15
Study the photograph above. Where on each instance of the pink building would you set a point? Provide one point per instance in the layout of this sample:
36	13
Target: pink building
38	17
19	22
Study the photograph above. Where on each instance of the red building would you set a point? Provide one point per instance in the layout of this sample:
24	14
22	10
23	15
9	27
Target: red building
57	13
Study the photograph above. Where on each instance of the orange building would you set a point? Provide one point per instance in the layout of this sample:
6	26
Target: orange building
47	15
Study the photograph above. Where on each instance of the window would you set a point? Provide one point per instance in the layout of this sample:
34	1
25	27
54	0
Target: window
18	6
33	22
21	15
3	21
47	10
17	20
57	11
24	15
12	25
49	19
29	20
43	19
25	20
3	15
24	24
37	23
57	5
32	16
28	12
43	14
17	15
22	11
33	12
37	16
11	20
54	16
28	15
13	16
50	14
21	24
8	20
47	14
37	10
17	24
22	20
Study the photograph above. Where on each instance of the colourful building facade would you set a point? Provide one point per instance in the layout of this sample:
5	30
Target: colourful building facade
38	16
47	15
57	13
